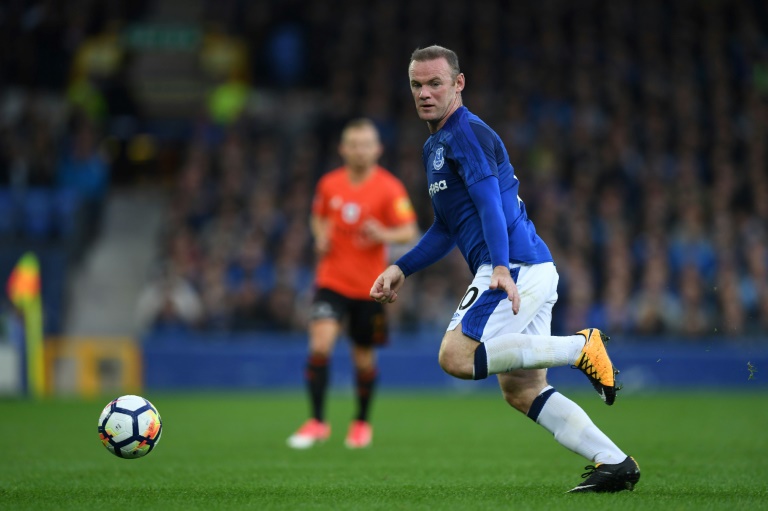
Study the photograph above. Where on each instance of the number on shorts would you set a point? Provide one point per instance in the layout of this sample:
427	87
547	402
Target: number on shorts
469	298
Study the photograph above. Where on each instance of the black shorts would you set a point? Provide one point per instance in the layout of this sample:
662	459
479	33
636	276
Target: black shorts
366	321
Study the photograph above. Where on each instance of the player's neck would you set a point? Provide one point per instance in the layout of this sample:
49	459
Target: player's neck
359	174
436	126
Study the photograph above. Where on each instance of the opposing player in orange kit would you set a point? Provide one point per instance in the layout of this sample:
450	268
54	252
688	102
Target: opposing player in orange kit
357	210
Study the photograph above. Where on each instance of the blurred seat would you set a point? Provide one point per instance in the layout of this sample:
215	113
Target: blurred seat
37	213
54	271
67	209
7	214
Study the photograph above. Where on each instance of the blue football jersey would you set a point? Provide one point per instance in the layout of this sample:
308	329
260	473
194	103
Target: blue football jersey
464	151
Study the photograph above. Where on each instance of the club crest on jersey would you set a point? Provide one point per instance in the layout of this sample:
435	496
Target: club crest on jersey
350	212
439	161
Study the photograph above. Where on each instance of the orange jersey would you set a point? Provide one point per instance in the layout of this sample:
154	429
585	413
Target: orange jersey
353	261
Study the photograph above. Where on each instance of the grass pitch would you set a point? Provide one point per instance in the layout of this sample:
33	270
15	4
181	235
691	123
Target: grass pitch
697	451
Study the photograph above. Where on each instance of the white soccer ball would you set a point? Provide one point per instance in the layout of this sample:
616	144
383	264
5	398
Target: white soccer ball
130	427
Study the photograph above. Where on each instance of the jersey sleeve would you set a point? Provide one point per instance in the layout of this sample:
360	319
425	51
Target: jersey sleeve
433	246
398	209
319	201
487	199
475	153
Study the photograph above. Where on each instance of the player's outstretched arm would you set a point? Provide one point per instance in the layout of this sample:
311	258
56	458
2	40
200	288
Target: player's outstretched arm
376	231
321	228
387	284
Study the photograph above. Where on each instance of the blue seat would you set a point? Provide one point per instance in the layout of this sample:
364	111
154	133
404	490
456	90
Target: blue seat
7	214
37	208
67	209
54	268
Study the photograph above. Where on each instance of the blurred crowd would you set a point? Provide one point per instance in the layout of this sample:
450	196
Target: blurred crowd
637	129
53	121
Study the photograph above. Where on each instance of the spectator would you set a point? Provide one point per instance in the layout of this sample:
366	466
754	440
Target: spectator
84	168
642	150
169	303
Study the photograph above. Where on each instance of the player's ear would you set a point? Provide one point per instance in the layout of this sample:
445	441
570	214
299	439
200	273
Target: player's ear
379	149
342	147
460	82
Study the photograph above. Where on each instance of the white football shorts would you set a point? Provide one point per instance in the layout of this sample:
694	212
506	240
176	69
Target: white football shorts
485	313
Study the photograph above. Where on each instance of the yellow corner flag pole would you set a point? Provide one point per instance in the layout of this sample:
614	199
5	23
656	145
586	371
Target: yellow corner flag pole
24	292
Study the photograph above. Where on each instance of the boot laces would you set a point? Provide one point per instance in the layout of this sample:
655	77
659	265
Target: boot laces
590	469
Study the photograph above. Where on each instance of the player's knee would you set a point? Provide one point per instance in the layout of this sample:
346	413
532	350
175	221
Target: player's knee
322	345
319	351
455	362
364	359
520	401
521	388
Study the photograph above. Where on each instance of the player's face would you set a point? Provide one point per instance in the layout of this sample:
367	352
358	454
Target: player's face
435	92
360	147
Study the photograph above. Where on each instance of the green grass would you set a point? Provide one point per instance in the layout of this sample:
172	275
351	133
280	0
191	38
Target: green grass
699	451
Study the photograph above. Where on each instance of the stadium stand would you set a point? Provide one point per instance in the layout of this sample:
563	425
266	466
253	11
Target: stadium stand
637	131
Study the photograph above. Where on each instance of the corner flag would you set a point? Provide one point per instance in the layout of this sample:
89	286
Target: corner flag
24	292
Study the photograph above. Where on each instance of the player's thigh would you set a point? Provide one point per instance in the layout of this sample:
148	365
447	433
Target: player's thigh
485	313
537	285
326	315
323	334
367	324
541	323
457	353
521	386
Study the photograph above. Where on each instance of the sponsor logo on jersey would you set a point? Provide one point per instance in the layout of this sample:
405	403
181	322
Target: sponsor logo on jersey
439	161
437	186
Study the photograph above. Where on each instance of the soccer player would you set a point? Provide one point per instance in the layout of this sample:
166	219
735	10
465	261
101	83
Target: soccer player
357	209
474	194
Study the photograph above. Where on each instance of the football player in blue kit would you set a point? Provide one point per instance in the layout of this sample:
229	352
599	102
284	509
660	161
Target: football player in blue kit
502	325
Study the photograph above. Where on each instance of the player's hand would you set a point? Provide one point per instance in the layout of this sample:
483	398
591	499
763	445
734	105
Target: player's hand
502	279
387	284
322	245
374	231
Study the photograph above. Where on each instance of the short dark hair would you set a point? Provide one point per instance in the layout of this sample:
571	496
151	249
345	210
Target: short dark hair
435	52
360	122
